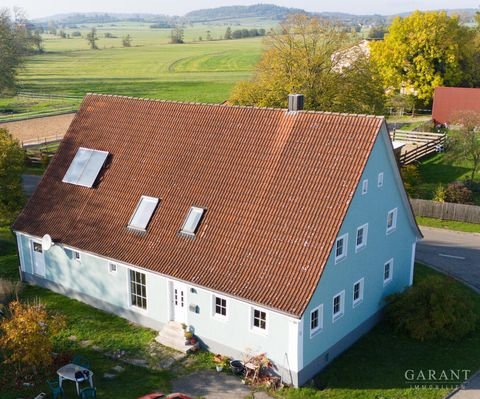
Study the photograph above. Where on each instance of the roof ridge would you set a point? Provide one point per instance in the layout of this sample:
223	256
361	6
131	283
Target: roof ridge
381	117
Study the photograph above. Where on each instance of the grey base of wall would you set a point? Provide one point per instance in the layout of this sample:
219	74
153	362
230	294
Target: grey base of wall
322	361
131	315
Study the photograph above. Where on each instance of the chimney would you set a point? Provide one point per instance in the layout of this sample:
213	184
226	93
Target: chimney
295	102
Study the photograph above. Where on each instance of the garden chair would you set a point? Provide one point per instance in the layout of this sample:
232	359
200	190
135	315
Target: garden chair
88	393
56	389
81	361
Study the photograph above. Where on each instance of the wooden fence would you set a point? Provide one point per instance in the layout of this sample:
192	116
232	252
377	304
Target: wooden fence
41	141
446	210
425	143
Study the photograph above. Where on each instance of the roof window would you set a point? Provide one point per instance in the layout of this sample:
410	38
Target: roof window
85	167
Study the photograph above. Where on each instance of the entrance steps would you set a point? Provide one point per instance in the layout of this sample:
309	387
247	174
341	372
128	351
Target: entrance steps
172	335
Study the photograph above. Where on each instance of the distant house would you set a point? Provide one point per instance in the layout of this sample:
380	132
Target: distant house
280	231
447	101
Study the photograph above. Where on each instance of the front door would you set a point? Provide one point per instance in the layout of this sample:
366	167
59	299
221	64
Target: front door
38	259
179	302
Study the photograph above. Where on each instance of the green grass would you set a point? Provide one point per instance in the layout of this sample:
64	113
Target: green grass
449	224
439	169
374	367
17	107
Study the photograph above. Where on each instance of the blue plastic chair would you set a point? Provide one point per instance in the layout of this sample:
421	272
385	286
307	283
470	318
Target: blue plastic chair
88	393
56	389
81	361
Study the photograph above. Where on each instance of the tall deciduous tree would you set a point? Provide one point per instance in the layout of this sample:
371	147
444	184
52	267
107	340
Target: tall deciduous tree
465	139
11	168
92	39
423	51
307	55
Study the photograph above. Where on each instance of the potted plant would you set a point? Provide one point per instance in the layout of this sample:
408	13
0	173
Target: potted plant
188	336
220	362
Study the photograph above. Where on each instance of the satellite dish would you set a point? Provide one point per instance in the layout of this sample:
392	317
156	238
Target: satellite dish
46	242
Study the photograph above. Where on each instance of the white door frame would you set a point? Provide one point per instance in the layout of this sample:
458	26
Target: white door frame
178	302
38	258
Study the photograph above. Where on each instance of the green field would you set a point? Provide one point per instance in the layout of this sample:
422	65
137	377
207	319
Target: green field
202	71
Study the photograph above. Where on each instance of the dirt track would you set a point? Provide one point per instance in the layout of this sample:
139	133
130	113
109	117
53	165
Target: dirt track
39	128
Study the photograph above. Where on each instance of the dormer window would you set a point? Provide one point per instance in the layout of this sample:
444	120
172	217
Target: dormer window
85	167
192	220
143	213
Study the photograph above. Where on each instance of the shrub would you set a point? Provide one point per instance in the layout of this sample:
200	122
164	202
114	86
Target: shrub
433	308
411	179
26	337
458	193
439	194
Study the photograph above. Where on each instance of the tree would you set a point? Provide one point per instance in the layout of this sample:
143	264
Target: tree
306	55
26	336
464	139
92	39
37	41
228	33
16	40
423	51
127	41
11	168
176	35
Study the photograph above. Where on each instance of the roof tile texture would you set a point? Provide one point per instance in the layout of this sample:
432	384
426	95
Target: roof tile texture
276	187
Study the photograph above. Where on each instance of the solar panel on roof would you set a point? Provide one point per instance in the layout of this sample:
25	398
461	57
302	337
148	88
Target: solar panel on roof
143	213
193	219
85	167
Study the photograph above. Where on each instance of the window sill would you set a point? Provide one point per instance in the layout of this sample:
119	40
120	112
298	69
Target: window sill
358	302
386	282
390	231
341	259
337	317
313	334
360	248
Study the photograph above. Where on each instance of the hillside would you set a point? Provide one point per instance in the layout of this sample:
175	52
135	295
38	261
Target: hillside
268	11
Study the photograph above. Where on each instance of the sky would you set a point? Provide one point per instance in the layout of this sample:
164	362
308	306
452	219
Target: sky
43	8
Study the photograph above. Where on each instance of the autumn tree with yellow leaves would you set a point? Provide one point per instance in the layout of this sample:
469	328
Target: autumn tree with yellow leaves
426	50
26	336
307	55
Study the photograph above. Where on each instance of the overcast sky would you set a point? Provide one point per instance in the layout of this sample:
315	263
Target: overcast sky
42	8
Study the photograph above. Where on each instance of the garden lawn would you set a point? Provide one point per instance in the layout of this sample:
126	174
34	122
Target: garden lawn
438	169
449	224
373	368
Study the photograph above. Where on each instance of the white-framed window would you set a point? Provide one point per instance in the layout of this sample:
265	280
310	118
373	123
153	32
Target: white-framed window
387	272
316	320
391	220
143	213
138	289
192	221
338	306
358	292
341	248
112	267
219	306
380	180
361	239
365	186
259	320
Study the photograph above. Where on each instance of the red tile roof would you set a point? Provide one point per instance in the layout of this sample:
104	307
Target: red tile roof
447	101
276	186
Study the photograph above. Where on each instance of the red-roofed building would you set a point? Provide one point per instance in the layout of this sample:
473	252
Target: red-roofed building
276	230
448	101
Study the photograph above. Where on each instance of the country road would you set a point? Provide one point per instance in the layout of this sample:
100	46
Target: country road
452	252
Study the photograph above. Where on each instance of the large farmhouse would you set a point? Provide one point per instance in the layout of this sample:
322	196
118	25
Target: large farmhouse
276	230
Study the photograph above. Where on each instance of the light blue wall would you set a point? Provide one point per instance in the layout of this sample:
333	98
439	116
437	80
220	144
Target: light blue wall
371	208
91	281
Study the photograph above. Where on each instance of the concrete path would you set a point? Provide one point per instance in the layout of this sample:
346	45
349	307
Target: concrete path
213	385
30	183
468	390
454	253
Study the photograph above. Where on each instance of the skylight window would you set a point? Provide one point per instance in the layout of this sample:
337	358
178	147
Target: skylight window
85	167
143	213
193	220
